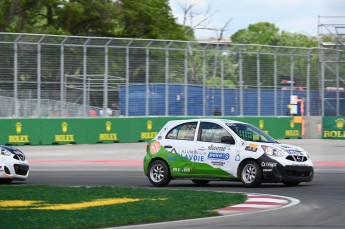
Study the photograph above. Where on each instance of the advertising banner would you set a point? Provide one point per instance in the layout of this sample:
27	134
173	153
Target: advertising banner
333	127
64	131
20	131
112	130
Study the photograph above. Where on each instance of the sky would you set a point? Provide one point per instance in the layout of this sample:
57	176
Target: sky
295	16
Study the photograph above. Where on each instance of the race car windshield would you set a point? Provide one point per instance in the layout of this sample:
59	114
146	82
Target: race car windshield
250	133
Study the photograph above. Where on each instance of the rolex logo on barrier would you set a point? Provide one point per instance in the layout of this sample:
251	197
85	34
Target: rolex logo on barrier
292	123
149	134
64	137
19	127
107	136
261	124
18	138
335	133
64	126
292	133
340	123
108	126
149	125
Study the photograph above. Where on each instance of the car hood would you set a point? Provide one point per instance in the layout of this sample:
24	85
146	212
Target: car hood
287	147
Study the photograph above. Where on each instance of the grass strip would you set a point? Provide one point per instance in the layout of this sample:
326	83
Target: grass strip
42	206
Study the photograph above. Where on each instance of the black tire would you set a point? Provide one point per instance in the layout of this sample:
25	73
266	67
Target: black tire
200	182
291	183
5	181
159	173
251	174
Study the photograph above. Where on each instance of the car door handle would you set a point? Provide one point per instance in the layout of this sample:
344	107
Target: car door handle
168	146
202	148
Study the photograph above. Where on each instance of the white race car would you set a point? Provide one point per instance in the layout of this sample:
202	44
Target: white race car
217	149
13	165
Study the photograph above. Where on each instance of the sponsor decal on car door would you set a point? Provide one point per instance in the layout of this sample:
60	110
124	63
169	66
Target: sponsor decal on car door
214	157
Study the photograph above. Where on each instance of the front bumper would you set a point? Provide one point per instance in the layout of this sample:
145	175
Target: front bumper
285	170
289	173
17	171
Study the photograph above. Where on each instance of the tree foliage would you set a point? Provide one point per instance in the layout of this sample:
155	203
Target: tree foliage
266	33
123	18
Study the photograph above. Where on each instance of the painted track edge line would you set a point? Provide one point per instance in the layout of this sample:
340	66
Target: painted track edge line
292	202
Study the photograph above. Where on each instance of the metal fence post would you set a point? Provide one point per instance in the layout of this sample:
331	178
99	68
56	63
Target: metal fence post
62	76
106	77
147	78
127	77
84	76
258	82
222	82
337	84
308	86
275	69
322	59
39	113
185	107
240	68
204	82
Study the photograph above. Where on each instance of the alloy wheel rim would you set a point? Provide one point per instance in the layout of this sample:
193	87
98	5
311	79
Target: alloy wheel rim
157	173
249	173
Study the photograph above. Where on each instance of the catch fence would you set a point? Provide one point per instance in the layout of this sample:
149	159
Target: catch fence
70	76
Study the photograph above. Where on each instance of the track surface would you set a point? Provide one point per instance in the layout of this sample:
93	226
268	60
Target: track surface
322	201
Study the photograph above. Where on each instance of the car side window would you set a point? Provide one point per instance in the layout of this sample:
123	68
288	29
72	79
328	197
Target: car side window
184	131
211	132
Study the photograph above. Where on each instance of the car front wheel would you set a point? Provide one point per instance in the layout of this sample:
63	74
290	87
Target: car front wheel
5	181
251	174
159	173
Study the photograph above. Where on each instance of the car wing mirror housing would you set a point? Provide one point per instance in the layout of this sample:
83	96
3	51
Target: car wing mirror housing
227	140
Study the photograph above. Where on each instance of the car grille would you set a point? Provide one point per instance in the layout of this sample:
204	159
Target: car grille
298	171
296	158
21	169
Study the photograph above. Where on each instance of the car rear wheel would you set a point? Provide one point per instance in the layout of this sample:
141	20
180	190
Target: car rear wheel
200	182
159	173
251	174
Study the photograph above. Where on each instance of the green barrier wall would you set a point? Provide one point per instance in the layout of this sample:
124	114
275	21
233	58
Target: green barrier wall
109	130
333	127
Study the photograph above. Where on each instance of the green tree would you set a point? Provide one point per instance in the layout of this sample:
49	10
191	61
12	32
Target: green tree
296	40
150	19
259	33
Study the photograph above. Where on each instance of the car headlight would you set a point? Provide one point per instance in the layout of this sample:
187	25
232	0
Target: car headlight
270	151
5	152
306	153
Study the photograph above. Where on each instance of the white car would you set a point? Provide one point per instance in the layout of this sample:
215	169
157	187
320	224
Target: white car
13	165
204	150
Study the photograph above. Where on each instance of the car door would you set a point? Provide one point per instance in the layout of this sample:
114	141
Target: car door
218	158
180	143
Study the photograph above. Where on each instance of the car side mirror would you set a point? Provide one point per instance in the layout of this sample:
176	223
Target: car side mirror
227	140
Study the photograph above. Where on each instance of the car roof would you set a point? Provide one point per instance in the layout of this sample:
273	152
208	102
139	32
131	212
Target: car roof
205	120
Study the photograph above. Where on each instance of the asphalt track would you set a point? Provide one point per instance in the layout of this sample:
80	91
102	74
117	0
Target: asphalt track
321	201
